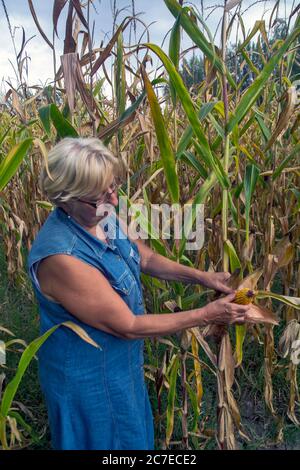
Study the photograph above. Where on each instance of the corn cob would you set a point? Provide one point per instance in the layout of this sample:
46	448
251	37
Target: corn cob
244	296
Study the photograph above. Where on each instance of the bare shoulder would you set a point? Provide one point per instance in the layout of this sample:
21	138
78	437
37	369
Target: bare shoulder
45	268
61	268
85	292
56	263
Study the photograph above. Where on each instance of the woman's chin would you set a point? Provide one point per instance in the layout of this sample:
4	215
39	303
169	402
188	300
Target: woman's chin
105	211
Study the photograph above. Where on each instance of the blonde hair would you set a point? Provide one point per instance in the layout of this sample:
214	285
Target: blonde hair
78	167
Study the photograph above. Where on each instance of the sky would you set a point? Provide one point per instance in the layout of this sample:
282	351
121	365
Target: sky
153	13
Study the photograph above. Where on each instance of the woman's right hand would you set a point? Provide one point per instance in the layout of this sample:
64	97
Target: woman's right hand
224	312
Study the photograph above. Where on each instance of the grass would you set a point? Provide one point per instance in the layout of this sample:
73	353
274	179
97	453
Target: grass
19	313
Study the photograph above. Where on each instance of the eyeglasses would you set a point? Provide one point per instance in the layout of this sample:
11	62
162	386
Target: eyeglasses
106	196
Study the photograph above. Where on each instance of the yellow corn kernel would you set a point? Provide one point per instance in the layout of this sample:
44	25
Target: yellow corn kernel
244	296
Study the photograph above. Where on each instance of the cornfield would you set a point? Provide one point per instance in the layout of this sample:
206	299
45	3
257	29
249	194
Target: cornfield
230	141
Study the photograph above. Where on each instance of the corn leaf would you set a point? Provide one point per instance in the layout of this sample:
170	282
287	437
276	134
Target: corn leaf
57	9
171	400
187	135
283	165
63	127
35	19
145	224
27	356
252	93
250	180
191	160
240	334
12	161
106	52
258	26
45	205
287	112
291	301
233	257
165	146
194	405
120	77
174	51
188	106
200	198
198	37
44	113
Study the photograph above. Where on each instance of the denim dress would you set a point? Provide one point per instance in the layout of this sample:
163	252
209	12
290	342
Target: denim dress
96	398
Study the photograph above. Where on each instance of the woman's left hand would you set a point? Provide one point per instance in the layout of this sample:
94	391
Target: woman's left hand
216	281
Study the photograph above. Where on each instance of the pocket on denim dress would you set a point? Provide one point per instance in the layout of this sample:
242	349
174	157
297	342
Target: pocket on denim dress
125	283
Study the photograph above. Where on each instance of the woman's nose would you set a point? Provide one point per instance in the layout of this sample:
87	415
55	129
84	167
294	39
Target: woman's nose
114	199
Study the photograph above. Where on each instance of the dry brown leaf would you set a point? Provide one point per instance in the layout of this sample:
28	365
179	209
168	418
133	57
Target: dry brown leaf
285	115
250	281
258	314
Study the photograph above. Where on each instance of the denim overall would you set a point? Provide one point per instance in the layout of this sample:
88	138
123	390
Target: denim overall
96	398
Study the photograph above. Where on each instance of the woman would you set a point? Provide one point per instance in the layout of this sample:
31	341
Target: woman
97	398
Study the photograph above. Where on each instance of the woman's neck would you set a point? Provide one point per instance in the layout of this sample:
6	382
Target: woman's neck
95	229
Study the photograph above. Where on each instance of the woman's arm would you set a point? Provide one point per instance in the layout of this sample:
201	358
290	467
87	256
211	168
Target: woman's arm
161	267
86	293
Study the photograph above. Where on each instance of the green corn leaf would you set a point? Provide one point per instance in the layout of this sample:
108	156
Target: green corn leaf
45	205
63	127
174	52
291	301
200	198
200	154
165	146
12	161
264	130
250	180
171	399
120	76
2	137
249	62
107	132
27	356
191	160
283	165
120	84
217	126
44	113
258	26
188	106
240	334
187	135
240	330
252	93
233	257
194	404
98	87
198	37
131	109
146	225
233	210
195	300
